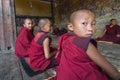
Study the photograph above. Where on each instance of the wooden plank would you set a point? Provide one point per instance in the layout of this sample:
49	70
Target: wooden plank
7	22
2	42
14	28
7	11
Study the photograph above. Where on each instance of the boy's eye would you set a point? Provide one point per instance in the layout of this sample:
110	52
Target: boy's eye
84	23
93	23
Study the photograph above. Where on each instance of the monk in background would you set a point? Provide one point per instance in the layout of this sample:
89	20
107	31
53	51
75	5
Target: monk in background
111	33
24	38
41	52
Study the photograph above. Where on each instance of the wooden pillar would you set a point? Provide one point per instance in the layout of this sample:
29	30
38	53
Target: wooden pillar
7	24
52	12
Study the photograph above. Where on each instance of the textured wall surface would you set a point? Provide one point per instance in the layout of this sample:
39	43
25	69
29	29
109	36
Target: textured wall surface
103	9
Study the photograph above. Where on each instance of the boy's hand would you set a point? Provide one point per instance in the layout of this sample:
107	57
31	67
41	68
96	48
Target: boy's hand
118	35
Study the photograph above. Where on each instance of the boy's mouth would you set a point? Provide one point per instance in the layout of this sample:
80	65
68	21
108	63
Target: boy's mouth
90	34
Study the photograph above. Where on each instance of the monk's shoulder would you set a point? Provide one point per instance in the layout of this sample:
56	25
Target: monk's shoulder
40	37
81	42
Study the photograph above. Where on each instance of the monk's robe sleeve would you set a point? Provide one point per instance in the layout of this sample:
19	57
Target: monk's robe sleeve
58	54
81	42
36	52
118	30
23	43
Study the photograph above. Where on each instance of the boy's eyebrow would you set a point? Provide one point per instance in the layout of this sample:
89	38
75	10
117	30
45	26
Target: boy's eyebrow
95	21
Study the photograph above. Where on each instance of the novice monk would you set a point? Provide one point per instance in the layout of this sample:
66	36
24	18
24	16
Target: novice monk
40	52
111	33
24	38
78	58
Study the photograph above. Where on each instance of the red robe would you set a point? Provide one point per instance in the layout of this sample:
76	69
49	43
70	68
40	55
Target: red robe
75	63
110	34
23	41
36	52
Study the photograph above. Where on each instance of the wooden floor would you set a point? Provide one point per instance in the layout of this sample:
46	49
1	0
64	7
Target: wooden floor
11	69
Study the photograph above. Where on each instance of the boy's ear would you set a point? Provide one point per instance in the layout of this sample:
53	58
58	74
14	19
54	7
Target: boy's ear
70	26
41	28
23	24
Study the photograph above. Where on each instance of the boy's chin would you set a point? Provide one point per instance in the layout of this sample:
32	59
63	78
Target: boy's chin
87	36
29	28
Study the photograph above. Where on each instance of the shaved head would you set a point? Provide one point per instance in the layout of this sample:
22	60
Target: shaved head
27	19
75	14
82	23
43	22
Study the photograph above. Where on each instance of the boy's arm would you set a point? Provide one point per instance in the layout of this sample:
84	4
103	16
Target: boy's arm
46	46
96	57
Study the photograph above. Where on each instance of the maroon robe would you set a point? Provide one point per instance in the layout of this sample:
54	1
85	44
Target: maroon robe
58	54
110	34
74	61
23	42
36	53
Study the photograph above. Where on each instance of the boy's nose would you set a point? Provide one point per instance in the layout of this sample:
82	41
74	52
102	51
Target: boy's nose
30	25
90	27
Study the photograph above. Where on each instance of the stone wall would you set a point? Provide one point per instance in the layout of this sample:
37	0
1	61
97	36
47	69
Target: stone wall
103	9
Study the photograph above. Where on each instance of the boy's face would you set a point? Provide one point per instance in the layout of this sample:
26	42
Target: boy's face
83	25
113	22
28	23
47	26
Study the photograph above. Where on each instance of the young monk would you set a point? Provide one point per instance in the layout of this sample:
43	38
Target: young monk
24	38
40	52
78	58
111	33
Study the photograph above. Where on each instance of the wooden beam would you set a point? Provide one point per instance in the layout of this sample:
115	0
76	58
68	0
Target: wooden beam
2	38
52	12
7	22
55	1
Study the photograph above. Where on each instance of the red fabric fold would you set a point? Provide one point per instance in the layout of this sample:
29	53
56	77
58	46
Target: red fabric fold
75	63
23	42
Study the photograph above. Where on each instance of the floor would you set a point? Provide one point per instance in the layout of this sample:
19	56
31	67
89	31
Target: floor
11	68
